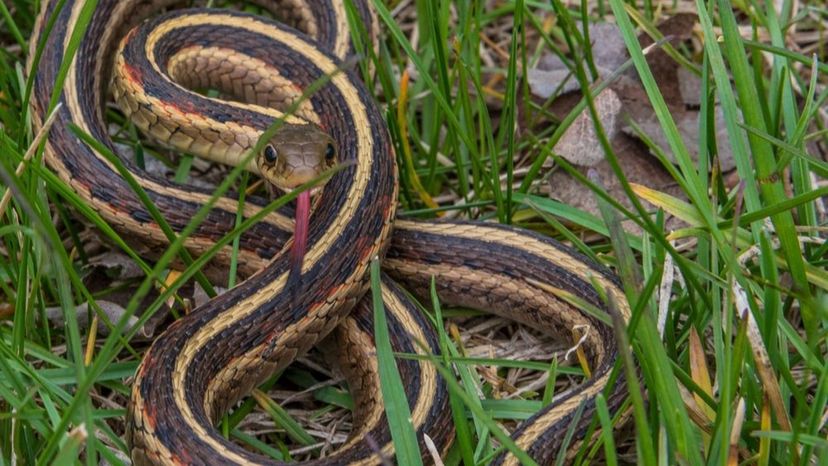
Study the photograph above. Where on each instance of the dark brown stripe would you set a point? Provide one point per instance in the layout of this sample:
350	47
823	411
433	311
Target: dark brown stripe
349	255
427	250
86	169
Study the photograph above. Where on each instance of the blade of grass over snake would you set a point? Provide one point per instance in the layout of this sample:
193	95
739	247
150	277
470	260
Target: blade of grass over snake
451	358
145	200
72	45
477	411
393	394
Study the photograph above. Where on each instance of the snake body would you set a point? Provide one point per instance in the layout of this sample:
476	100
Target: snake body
209	359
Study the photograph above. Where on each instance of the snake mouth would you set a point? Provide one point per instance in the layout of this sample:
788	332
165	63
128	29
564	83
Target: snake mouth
313	191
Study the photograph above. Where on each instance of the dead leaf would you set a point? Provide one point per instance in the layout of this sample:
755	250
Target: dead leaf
638	167
545	84
764	366
677	29
689	87
608	48
116	265
681	89
113	312
687	122
579	144
552	77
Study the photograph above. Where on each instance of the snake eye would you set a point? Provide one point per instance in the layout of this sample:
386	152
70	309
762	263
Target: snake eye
330	152
270	154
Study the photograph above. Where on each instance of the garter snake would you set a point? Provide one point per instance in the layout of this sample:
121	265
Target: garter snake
209	359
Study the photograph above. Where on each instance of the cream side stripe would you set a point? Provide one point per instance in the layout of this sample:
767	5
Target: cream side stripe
366	341
263	69
155	444
523	242
428	374
343	38
364	145
564	408
240	309
74	107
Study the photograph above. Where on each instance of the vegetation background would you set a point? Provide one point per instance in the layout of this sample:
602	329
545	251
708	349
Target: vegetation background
681	142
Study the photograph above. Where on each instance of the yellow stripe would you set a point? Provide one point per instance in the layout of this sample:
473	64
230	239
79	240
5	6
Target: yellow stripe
243	308
479	232
343	39
512	239
75	110
428	374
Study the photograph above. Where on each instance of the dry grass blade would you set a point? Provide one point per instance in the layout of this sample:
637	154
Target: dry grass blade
764	367
30	152
700	373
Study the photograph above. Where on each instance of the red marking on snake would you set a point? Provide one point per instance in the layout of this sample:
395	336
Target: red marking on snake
364	245
134	74
150	416
182	458
181	107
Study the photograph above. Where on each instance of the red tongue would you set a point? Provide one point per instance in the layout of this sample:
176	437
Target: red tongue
300	233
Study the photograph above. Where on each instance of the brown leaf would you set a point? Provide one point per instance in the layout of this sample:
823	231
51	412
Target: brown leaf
116	265
764	366
552	77
638	166
113	312
689	87
687	122
579	144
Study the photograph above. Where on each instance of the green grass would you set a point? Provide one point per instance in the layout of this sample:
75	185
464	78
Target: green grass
754	247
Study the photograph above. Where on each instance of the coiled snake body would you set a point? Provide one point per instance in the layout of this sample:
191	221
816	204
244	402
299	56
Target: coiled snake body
209	359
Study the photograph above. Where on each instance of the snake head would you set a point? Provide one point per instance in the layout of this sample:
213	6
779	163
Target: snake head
296	155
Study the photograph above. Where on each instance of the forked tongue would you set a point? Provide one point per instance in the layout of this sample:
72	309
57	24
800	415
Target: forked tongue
300	233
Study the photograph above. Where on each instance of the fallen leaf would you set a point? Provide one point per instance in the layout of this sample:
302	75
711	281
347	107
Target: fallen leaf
552	77
579	144
116	265
113	312
687	122
689	87
638	167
